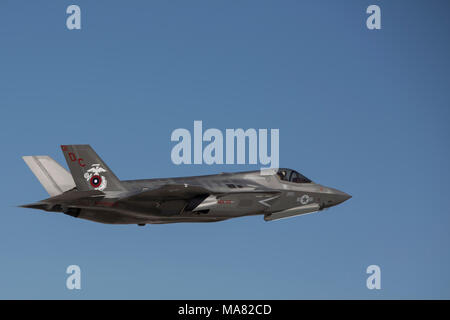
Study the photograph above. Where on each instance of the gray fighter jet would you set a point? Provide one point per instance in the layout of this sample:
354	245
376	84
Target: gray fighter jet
91	191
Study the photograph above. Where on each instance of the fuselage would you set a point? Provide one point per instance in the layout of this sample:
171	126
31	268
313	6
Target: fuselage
232	195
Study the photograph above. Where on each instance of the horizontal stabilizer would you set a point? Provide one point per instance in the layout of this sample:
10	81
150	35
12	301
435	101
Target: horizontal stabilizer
53	177
67	199
37	205
73	196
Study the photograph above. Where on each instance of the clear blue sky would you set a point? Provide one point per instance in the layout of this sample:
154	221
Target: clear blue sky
364	111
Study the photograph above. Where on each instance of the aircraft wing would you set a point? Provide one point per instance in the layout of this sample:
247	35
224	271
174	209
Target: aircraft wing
168	192
185	192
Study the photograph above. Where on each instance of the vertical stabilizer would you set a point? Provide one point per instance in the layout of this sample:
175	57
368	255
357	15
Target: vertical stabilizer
53	177
88	170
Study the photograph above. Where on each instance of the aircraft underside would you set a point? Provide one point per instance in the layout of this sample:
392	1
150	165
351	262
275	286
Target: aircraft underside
114	217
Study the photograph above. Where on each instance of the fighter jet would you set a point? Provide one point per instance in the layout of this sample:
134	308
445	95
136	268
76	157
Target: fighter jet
93	192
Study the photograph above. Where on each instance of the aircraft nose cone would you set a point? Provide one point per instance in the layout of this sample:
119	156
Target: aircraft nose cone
336	197
342	196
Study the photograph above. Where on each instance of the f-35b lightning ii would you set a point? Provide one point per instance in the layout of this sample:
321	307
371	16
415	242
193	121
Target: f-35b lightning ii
92	191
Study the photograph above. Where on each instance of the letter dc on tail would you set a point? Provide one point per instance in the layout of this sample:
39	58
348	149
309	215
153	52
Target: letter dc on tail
92	191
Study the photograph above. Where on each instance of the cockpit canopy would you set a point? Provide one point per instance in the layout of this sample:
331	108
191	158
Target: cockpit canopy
292	176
